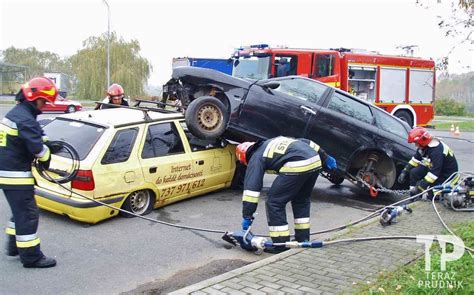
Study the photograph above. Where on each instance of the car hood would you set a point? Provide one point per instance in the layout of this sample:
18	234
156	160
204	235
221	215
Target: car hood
194	74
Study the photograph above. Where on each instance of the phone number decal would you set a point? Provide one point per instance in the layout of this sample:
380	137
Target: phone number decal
185	187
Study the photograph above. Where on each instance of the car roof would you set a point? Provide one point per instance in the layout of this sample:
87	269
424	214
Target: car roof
122	116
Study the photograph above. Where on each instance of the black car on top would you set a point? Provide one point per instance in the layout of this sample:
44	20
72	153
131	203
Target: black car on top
368	143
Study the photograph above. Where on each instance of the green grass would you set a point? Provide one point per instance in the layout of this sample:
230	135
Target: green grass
406	280
463	126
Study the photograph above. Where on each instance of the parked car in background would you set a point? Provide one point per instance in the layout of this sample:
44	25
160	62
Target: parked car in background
134	159
63	105
368	143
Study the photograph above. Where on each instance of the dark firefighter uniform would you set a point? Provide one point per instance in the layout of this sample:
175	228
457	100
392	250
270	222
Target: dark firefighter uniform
432	165
297	163
21	140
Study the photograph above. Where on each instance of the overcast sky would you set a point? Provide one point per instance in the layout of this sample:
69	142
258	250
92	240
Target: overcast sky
167	29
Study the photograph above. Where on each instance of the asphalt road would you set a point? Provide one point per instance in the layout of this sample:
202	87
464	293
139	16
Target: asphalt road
121	255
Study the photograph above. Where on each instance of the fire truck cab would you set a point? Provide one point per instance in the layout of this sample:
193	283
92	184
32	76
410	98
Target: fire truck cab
403	86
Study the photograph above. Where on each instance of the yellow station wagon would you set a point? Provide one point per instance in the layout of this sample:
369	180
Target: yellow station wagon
133	159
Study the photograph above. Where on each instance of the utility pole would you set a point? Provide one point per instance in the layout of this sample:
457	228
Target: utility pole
108	42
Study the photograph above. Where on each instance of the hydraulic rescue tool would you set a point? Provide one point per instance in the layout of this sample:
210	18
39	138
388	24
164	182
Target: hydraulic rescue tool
250	242
390	214
459	197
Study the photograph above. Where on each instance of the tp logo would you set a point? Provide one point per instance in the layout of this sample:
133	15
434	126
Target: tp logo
458	248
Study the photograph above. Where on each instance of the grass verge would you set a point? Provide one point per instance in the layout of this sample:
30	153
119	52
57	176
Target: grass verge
464	126
413	279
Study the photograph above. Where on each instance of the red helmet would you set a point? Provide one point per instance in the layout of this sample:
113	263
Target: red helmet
241	151
115	90
420	136
40	87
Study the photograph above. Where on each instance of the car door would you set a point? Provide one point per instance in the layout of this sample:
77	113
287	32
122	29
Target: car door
343	126
212	164
284	110
164	160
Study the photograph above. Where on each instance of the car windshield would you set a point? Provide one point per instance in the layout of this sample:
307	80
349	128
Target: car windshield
251	67
82	136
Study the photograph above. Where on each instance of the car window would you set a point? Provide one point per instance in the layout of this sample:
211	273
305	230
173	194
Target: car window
388	123
121	146
198	144
303	89
351	107
162	140
82	136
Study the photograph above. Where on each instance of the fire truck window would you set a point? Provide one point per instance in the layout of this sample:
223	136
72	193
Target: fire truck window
285	66
324	65
348	106
162	140
304	89
121	146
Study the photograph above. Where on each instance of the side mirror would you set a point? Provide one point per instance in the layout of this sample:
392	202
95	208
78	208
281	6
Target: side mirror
236	62
268	86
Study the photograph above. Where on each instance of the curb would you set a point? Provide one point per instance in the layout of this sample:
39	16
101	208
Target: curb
235	272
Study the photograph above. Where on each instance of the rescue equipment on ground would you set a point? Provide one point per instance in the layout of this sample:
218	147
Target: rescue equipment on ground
459	197
390	214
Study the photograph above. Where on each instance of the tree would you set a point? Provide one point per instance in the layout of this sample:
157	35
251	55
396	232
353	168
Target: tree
38	62
458	25
127	67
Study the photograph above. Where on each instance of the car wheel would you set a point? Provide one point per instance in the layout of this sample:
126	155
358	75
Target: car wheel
405	116
207	117
71	109
139	202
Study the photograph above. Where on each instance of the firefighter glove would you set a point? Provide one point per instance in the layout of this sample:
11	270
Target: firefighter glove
414	191
403	176
45	164
53	147
331	163
246	223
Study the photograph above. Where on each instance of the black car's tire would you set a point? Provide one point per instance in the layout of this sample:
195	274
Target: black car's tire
139	202
335	178
207	117
70	109
239	176
405	116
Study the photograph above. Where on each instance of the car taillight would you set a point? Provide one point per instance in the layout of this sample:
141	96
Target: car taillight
84	180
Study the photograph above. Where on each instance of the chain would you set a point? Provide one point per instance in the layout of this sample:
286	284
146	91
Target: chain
378	189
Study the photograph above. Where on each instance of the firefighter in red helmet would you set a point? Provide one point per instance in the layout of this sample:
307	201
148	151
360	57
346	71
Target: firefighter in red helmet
297	163
21	141
115	96
432	164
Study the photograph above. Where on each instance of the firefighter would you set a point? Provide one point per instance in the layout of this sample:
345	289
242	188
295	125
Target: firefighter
115	95
297	163
432	164
21	141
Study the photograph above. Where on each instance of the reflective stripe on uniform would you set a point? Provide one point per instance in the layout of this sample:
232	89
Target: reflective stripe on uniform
44	155
446	150
302	223
314	146
45	138
278	145
15	174
9	127
414	162
250	196
302	166
27	241
279	231
10	231
17	181
430	177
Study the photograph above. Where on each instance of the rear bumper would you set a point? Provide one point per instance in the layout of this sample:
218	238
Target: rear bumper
77	208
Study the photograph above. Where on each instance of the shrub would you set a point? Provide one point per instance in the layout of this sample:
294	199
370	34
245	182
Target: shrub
449	107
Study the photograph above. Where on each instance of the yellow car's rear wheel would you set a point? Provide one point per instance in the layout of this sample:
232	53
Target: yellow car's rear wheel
139	202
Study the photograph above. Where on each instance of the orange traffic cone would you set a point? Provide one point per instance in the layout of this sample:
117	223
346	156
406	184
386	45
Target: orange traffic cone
452	128
457	132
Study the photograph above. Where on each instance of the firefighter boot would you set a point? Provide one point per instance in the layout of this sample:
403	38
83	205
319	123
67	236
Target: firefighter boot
43	262
12	250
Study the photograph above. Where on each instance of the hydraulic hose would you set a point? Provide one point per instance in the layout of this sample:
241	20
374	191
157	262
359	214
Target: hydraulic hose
65	176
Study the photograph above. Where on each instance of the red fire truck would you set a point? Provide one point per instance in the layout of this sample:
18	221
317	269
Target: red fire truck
403	86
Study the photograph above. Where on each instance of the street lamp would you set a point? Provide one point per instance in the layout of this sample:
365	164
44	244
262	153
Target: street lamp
108	42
